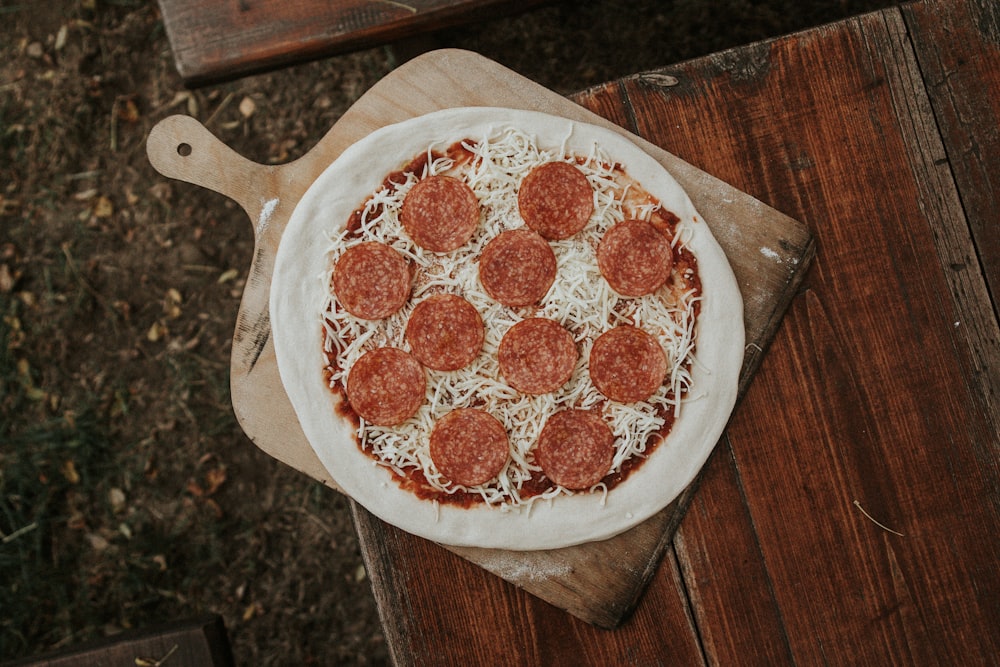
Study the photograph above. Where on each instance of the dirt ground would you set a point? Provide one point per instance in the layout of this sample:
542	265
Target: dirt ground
129	496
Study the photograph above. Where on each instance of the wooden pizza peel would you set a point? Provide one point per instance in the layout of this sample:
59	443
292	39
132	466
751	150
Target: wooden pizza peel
598	582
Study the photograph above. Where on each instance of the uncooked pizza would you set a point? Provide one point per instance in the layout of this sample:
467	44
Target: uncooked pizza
502	328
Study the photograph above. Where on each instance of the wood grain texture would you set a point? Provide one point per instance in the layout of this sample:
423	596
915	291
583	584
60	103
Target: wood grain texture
958	53
439	609
215	40
866	394
199	642
727	583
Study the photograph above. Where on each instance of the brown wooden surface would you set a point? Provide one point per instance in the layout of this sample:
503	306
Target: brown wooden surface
598	582
852	515
200	642
958	56
214	40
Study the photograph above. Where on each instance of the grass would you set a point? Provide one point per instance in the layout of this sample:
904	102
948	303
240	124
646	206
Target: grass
76	557
46	469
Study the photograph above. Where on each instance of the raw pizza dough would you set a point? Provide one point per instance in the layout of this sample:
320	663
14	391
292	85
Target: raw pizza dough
299	290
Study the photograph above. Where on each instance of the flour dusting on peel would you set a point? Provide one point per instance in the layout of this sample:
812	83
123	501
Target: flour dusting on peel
266	211
519	568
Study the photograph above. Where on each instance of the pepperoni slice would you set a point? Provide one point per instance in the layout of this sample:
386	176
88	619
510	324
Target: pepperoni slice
386	386
517	267
469	446
575	448
440	213
556	200
627	364
634	257
445	332
537	356
371	280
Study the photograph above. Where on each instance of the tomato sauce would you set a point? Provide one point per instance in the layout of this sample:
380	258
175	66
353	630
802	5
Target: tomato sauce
685	279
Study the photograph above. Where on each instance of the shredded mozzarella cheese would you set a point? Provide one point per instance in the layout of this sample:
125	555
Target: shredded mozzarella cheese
580	300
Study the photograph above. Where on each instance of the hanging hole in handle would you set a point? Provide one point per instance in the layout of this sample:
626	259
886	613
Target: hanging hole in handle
184	149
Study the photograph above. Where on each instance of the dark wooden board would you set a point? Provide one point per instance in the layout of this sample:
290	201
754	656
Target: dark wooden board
214	40
958	53
199	642
853	515
470	617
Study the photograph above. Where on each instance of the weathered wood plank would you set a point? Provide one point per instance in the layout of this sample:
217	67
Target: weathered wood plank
729	589
975	316
958	52
472	617
217	40
865	395
198	642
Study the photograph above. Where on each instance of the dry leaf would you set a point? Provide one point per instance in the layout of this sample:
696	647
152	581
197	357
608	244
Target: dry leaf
70	473
7	279
9	206
215	478
116	498
131	198
161	191
97	543
16	336
253	609
128	111
229	274
61	37
150	471
35	394
156	332
172	304
180	97
103	208
247	107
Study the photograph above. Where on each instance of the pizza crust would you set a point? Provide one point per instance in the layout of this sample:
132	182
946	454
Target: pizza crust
298	291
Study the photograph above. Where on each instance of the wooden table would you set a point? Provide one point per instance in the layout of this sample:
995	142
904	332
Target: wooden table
852	513
217	40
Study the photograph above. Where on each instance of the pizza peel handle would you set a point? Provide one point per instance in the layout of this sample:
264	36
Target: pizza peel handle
180	147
